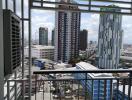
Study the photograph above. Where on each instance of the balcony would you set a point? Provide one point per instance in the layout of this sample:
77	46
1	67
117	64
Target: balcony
70	85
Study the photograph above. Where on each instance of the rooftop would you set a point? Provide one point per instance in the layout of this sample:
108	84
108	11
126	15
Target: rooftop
126	58
87	66
41	47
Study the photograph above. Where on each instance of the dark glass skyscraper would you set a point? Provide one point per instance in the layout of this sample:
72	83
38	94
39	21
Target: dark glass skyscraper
83	40
43	36
67	28
53	37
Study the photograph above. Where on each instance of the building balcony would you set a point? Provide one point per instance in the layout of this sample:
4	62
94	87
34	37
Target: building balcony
70	85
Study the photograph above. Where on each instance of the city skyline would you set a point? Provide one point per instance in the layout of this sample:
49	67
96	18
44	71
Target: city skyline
90	22
34	74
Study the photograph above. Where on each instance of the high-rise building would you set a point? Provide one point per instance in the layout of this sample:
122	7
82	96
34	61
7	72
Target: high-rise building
110	39
53	37
43	36
67	28
83	40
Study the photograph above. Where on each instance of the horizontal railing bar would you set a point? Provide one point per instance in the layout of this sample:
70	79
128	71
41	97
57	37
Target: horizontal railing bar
113	1
26	19
83	5
81	79
80	10
17	80
100	78
84	71
103	6
108	1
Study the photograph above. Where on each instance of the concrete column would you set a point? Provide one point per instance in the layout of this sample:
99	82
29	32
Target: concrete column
1	55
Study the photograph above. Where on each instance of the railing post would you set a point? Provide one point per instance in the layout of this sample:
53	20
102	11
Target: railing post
129	85
41	3
89	5
105	89
6	4
43	90
50	90
22	16
111	89
1	54
78	89
123	83
15	85
131	7
29	51
99	89
85	86
8	90
35	86
92	90
23	90
117	89
14	6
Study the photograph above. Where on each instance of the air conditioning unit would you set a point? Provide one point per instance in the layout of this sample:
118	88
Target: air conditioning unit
12	44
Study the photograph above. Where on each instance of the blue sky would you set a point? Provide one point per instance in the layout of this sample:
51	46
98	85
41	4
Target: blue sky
89	21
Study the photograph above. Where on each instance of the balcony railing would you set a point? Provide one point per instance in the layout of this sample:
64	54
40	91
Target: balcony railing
90	6
73	85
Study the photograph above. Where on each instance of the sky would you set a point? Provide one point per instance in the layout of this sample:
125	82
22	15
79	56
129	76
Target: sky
89	21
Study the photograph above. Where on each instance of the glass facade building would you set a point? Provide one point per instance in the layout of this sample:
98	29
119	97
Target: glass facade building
97	89
109	39
83	40
43	36
53	37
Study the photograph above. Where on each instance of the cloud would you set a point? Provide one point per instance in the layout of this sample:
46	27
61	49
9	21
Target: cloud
127	28
41	18
91	23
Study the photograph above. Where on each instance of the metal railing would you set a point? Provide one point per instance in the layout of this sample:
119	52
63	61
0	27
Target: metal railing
21	86
74	85
90	6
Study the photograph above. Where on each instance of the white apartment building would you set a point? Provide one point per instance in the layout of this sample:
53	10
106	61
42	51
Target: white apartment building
67	28
41	52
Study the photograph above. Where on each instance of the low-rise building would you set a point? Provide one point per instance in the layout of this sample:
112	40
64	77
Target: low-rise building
97	89
40	52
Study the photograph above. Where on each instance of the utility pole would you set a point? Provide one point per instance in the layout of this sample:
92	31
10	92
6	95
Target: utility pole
1	55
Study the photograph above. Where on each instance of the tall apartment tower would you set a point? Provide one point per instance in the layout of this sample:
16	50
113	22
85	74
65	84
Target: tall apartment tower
43	36
67	28
83	40
53	37
109	39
